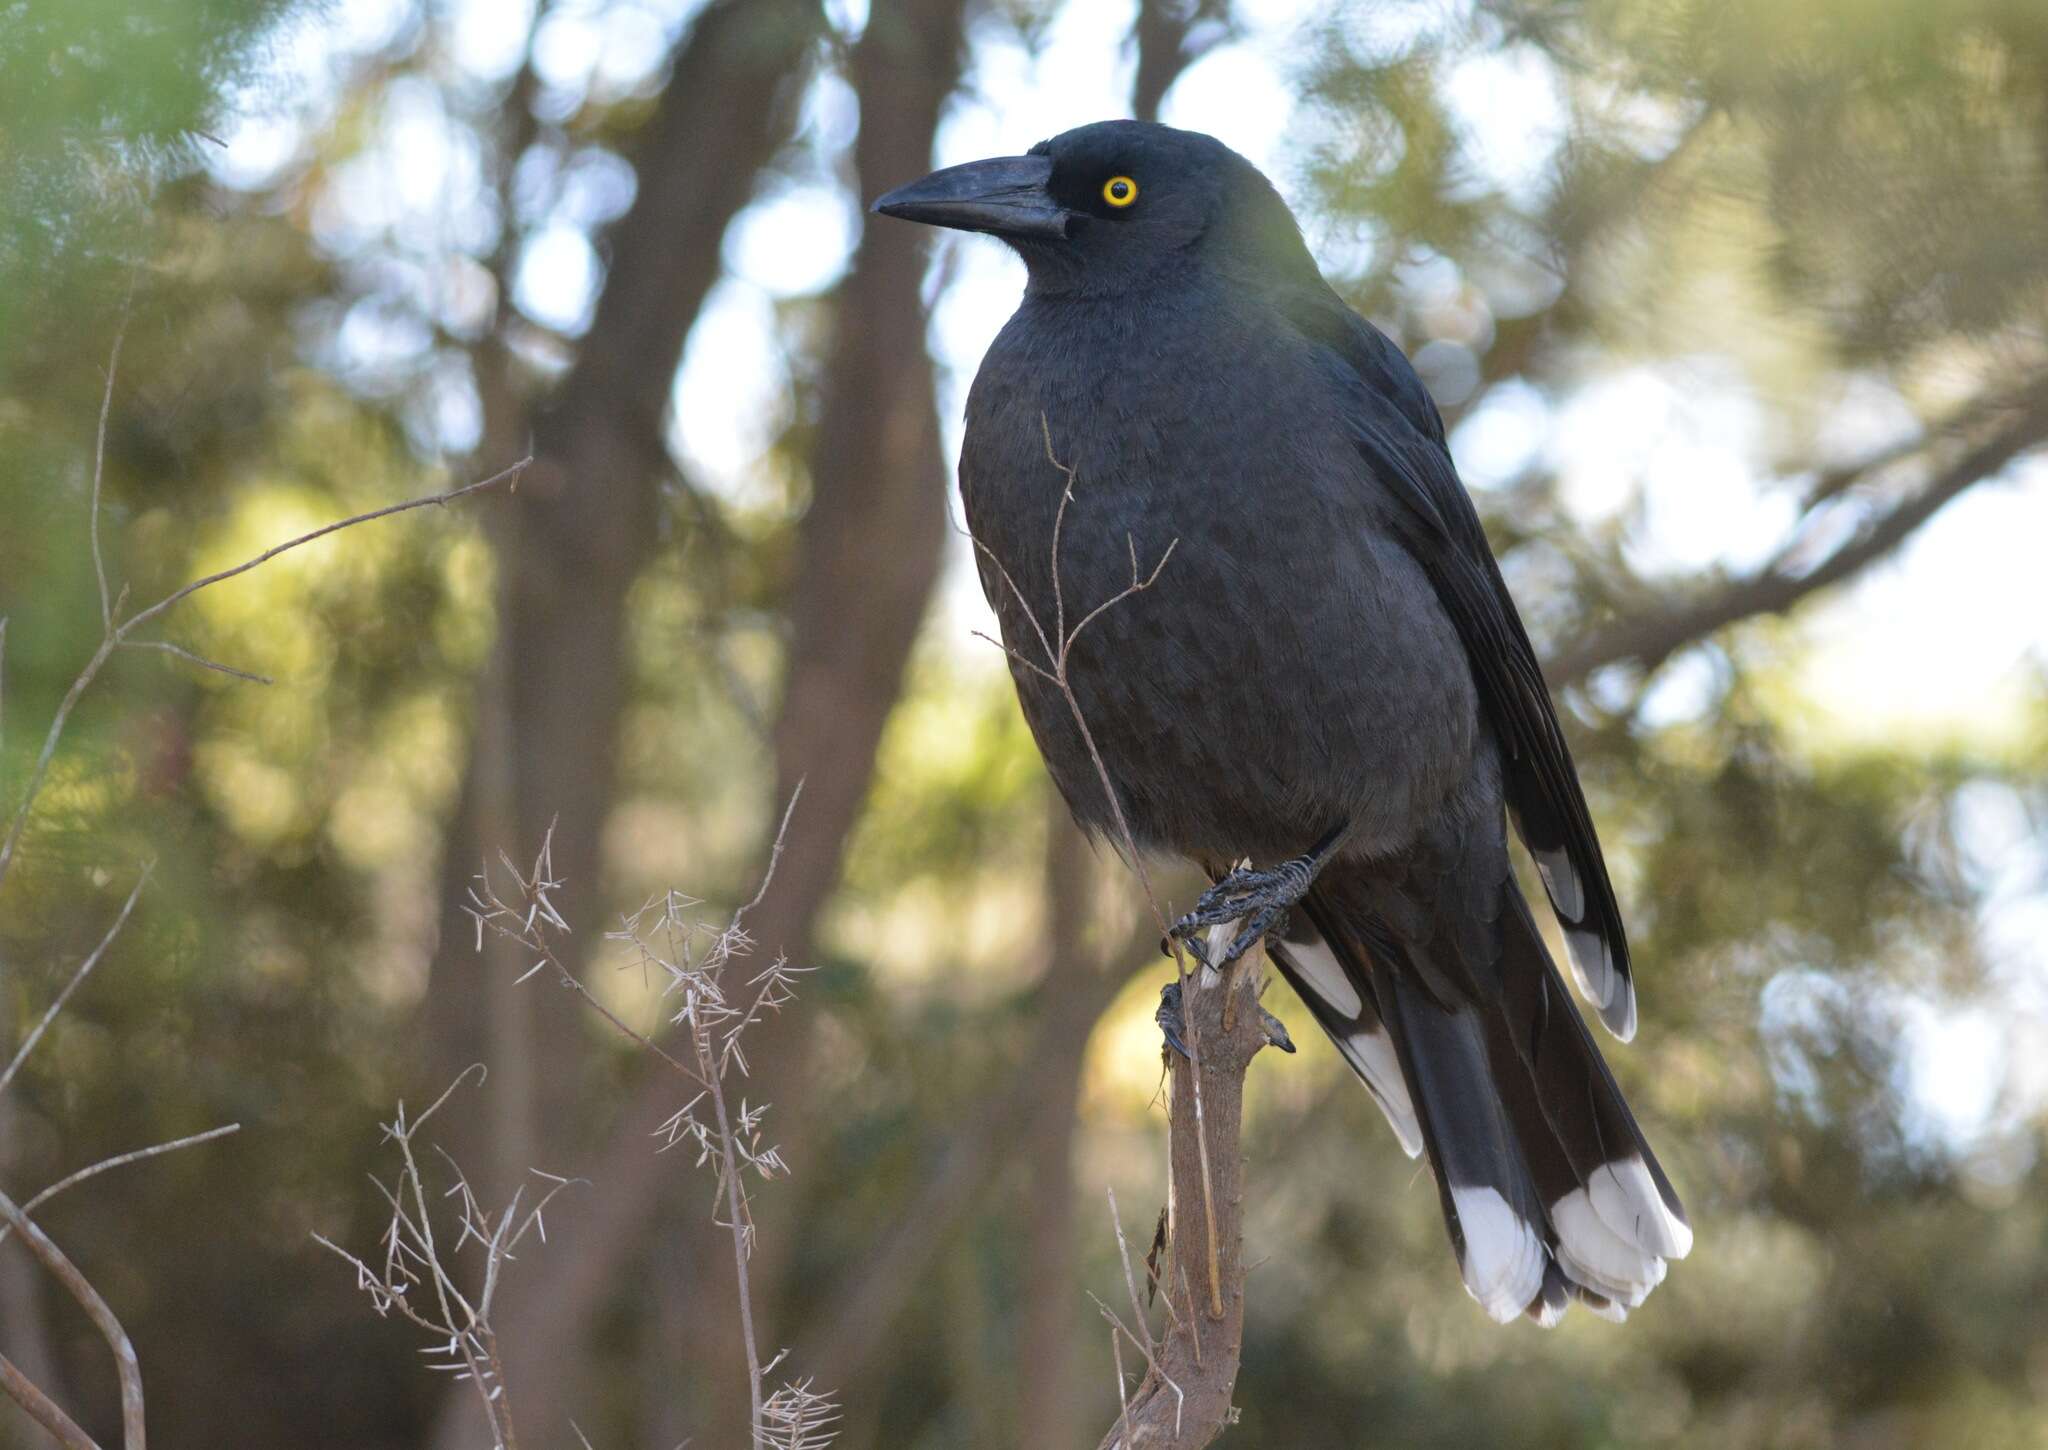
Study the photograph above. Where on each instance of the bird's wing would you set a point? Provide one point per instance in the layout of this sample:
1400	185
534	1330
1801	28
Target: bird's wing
1398	433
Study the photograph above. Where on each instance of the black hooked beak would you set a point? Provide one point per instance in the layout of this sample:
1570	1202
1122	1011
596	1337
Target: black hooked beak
1005	195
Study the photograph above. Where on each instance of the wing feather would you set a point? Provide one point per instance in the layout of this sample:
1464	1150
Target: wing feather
1400	437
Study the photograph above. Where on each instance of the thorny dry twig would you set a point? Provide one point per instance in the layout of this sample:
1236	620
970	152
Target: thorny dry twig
695	964
1143	1338
462	1339
1205	1403
1055	672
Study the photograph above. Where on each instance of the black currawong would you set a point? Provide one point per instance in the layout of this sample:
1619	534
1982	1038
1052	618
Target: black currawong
1329	678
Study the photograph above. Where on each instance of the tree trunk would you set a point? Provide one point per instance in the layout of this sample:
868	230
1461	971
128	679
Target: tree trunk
869	555
1048	1386
569	550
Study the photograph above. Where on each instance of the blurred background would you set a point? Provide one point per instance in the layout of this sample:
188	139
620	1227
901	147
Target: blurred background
1738	311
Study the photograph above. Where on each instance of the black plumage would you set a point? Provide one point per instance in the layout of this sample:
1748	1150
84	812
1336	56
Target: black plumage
1329	671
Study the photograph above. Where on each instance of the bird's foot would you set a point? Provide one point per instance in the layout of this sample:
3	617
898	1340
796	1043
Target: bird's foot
1173	1026
1258	900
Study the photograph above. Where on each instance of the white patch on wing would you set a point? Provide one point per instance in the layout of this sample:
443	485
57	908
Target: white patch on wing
1503	1259
1562	882
1318	966
1371	1055
1625	1197
1592	1254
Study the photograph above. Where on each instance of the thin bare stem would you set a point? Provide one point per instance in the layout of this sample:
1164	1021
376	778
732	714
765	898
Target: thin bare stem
1056	672
197	659
503	476
117	634
739	1250
42	1409
99	460
774	854
119	1160
129	1370
1123	1250
84	970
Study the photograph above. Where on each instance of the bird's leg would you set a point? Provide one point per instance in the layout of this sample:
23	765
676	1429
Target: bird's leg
1258	898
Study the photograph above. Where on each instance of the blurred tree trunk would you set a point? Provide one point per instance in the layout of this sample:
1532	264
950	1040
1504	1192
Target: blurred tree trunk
1050	1401
844	1341
1040	1100
580	530
869	553
1169	36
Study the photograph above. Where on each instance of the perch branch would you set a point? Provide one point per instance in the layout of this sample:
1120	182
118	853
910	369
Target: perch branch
1184	1400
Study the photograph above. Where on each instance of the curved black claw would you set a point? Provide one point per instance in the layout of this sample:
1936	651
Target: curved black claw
1276	1031
1171	1025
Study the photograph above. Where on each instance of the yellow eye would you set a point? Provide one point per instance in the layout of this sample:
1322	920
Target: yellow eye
1119	191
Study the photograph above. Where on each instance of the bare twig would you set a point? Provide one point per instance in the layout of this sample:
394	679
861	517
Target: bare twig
42	1409
17	1386
84	970
1056	672
197	659
126	1367
1123	1250
119	1160
118	633
99	458
1207	1088
1142	1338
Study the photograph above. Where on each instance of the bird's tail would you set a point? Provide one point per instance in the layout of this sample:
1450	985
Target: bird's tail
1548	1189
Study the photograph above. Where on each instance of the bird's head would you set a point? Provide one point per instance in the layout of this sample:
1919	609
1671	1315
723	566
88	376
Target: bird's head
1115	205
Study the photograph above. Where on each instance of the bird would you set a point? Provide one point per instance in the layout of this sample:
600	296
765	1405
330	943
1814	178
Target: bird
1241	584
